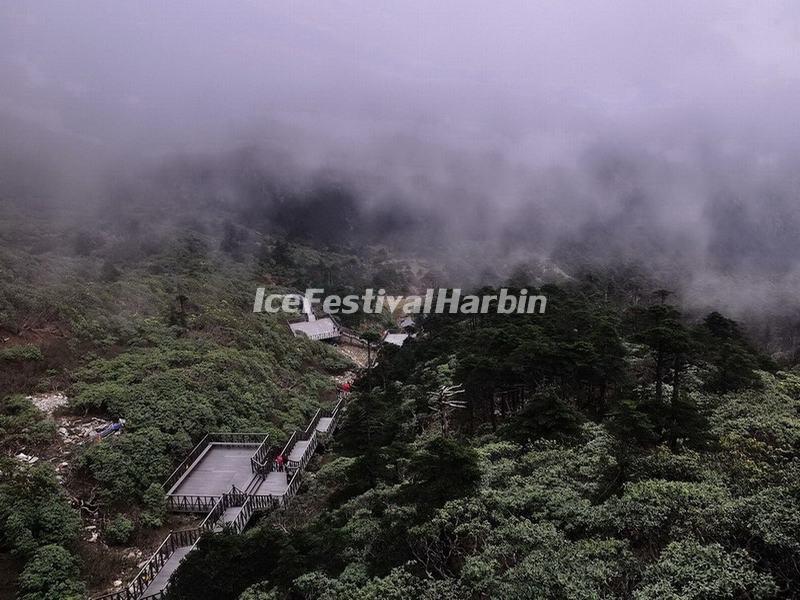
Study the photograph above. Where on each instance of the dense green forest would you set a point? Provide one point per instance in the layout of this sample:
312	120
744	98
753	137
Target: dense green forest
154	326
651	458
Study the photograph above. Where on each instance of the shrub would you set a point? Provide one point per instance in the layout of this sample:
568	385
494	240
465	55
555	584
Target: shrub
52	574
34	510
260	591
692	571
22	424
119	531
126	465
653	511
155	506
20	353
442	470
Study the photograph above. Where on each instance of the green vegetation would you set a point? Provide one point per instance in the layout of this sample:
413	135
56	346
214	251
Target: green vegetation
119	531
34	510
22	424
150	320
154	504
20	353
169	343
640	465
52	574
38	524
650	455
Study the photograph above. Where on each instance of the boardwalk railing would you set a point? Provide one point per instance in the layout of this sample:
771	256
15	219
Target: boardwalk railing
235	497
260	456
294	485
175	540
241	521
335	415
237	439
191	504
312	424
161	594
137	587
214	515
230	439
214	507
264	502
188	462
289	444
313	440
268	463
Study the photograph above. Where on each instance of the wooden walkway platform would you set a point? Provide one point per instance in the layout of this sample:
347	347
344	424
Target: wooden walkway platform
298	450
275	484
217	469
211	482
157	586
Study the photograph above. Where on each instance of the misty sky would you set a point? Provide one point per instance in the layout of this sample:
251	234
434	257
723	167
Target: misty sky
536	80
571	119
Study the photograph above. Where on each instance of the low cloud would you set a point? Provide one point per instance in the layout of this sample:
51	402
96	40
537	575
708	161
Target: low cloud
624	132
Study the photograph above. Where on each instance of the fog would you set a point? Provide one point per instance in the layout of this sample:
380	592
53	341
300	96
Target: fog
658	133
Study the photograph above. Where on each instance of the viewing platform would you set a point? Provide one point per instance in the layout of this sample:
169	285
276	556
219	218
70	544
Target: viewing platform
228	477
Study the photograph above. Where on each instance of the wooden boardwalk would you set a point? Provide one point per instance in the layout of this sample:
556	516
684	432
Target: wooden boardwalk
213	474
212	481
159	584
275	484
231	514
298	450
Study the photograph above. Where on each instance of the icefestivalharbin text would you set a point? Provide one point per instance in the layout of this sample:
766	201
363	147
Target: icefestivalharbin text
434	301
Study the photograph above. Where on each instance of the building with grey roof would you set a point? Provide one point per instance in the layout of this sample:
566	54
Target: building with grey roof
398	339
319	329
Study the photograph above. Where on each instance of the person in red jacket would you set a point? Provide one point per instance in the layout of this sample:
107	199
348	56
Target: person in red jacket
279	462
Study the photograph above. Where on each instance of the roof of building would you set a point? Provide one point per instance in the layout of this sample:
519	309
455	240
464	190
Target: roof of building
321	329
398	339
407	322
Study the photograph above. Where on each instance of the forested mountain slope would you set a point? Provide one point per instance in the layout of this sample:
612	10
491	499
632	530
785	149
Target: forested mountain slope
644	453
153	325
653	458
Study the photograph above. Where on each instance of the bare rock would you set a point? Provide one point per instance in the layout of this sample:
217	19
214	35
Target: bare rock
22	457
49	403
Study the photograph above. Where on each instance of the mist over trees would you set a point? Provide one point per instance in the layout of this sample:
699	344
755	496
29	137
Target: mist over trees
659	138
636	163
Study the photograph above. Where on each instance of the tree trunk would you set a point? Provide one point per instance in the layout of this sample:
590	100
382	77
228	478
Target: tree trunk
659	373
